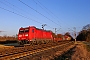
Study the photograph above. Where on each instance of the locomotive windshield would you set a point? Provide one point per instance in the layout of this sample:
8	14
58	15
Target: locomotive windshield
21	31
26	30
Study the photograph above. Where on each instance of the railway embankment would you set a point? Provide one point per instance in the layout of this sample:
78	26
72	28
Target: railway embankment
79	52
37	52
56	51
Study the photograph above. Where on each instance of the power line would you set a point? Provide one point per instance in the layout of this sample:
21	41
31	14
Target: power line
46	10
21	10
41	7
44	7
10	6
37	11
49	11
19	15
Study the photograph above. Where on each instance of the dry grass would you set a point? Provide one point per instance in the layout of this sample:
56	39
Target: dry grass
81	53
88	48
4	38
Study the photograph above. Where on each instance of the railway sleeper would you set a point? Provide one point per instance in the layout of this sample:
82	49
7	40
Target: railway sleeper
22	49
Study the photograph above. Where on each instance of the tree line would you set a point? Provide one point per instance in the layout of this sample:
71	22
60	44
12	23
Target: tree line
84	35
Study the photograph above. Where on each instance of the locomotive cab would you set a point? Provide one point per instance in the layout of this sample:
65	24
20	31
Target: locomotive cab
23	35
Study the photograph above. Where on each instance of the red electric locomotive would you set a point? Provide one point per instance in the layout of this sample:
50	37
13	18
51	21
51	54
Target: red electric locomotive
34	34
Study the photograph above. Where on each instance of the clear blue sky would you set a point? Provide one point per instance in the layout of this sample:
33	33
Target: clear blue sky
60	14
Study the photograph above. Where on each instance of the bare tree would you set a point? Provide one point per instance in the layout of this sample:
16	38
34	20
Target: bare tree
85	33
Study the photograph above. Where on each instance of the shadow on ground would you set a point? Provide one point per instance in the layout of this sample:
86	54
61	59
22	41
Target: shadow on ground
67	55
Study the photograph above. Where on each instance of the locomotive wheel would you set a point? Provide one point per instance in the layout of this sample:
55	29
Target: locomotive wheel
26	41
20	43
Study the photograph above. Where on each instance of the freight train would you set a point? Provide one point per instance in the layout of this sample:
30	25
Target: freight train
35	35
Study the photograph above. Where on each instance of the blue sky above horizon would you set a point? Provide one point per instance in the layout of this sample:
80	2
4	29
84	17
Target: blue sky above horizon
60	14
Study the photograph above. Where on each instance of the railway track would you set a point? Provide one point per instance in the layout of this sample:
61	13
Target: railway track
28	51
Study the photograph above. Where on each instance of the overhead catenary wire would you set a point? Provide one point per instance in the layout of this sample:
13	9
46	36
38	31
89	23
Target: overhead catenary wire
10	7
23	11
17	10
48	11
45	8
38	12
42	7
18	13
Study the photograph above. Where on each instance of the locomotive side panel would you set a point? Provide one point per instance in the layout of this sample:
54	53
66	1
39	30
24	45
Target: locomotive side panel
31	33
37	34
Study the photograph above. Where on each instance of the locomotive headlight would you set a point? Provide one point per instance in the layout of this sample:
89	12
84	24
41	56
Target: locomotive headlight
20	35
26	34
